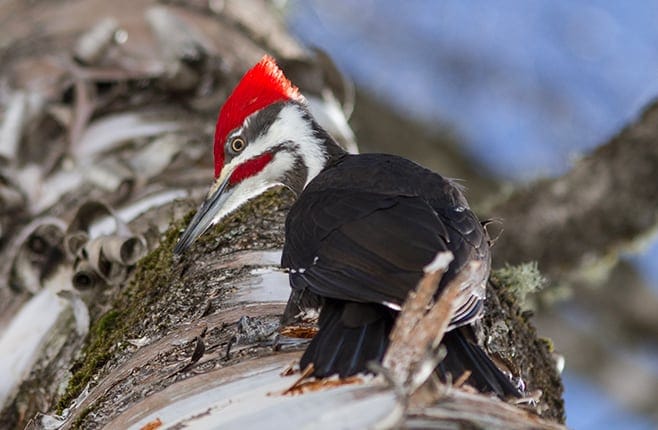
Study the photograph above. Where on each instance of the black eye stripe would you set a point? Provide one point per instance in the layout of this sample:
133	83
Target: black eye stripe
259	123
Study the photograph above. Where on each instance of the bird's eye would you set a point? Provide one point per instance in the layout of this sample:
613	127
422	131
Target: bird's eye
237	144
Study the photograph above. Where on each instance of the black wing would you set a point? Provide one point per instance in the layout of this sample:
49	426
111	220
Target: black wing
371	248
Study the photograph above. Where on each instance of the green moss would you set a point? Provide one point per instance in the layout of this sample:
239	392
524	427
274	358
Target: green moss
520	280
157	275
550	346
106	323
108	332
96	353
519	347
77	423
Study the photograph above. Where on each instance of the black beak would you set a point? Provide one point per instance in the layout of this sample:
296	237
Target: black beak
203	217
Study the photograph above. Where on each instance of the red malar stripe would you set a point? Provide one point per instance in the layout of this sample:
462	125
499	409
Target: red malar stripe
250	168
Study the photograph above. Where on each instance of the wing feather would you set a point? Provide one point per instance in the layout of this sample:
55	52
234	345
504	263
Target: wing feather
371	248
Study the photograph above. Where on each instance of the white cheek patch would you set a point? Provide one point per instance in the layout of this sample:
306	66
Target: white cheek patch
310	148
255	185
291	128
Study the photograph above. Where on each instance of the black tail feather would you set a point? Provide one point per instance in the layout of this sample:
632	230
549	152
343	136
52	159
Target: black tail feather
353	334
345	349
465	355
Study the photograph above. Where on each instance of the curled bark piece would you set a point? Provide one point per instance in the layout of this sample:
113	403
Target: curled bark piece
108	257
181	47
112	272
154	157
73	242
85	277
105	257
11	199
13	125
106	133
177	40
112	175
33	254
123	250
96	219
415	349
88	213
93	44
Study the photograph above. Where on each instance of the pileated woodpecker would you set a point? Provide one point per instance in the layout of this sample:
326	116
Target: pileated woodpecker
359	234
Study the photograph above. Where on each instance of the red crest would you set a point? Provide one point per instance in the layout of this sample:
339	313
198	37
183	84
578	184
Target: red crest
261	86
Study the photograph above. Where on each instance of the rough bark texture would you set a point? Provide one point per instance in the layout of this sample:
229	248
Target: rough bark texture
173	307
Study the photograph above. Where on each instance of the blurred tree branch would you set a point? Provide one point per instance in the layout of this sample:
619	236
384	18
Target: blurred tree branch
603	205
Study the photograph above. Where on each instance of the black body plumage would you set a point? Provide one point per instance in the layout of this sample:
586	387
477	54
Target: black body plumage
357	240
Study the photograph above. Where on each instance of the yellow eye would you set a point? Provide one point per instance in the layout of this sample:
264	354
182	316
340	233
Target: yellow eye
238	144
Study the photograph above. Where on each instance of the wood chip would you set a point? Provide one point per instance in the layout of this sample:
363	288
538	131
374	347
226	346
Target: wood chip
305	374
321	384
152	425
299	331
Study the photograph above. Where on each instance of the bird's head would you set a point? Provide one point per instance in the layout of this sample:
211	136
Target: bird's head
264	137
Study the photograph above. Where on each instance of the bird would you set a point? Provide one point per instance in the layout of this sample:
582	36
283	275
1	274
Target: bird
357	237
